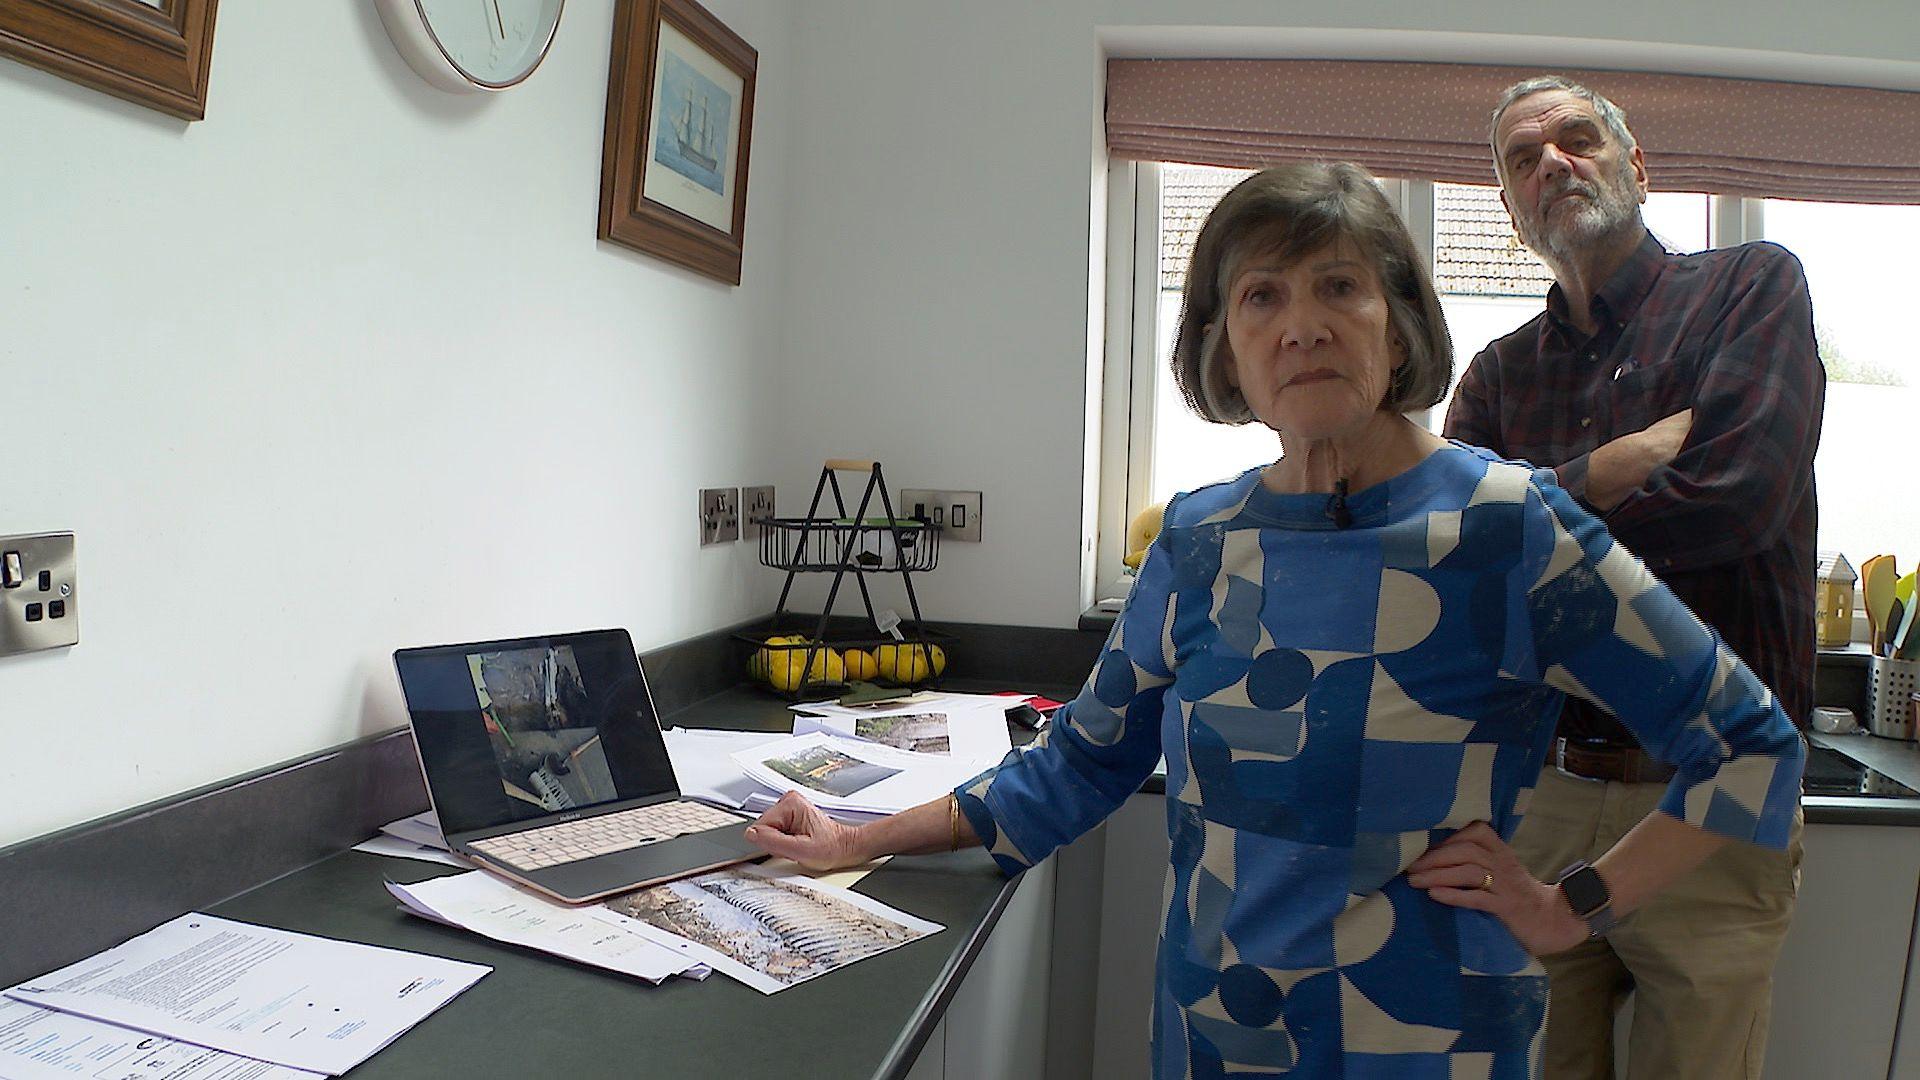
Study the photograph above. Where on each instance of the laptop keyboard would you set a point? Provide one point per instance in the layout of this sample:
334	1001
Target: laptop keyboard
571	841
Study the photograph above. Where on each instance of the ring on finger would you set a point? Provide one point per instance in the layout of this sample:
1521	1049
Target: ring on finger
1486	883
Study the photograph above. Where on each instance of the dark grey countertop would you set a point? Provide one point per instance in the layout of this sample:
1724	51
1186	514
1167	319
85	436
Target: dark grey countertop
868	1020
1897	758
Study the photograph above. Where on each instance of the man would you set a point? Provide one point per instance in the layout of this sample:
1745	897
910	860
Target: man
1680	398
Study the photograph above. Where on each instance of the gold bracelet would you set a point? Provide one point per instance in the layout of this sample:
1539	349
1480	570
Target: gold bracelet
953	819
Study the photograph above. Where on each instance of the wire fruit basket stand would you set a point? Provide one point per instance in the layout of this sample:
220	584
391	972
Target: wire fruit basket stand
871	539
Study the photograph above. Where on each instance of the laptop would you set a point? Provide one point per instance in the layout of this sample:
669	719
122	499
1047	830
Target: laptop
544	761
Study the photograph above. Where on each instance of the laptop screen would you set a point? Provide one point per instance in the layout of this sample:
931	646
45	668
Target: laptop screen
511	730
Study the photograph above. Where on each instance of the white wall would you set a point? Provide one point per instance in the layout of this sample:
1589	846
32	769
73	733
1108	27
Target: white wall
341	368
942	303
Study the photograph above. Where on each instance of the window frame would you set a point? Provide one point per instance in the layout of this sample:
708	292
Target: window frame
1133	334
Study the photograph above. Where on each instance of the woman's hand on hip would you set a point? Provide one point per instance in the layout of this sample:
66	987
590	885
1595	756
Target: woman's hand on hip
1475	868
794	828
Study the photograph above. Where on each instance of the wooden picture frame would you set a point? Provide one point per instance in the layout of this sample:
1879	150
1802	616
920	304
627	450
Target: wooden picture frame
154	53
673	165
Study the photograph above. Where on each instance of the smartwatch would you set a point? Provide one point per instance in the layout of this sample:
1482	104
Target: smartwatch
1586	893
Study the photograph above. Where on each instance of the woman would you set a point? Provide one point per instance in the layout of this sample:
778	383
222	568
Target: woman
1351	660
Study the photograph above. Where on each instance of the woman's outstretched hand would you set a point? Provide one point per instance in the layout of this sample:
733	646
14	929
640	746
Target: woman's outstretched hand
794	828
1476	869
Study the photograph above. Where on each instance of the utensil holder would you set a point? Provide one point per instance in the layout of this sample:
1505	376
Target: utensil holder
1890	688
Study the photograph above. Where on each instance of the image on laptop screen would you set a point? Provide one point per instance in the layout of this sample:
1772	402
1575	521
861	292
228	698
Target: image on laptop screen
512	730
534	707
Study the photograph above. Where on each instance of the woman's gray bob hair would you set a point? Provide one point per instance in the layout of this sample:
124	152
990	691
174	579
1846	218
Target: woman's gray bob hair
1288	212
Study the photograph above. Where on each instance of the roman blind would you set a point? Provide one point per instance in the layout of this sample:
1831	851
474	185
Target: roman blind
1430	122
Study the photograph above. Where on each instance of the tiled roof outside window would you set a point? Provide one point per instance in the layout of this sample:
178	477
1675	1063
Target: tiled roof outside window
1476	251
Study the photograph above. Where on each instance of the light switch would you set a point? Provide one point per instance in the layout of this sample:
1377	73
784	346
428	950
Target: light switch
11	574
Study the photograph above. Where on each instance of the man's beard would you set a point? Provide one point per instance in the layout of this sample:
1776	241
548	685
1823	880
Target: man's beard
1561	234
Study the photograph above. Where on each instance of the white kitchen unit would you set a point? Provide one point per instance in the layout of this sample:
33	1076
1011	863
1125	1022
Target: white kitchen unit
1837	989
996	1023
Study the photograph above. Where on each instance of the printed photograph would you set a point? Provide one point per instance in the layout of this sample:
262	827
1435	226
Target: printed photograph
922	733
825	769
778	929
534	706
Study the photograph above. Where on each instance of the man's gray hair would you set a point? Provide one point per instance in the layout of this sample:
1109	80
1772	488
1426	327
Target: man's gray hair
1610	114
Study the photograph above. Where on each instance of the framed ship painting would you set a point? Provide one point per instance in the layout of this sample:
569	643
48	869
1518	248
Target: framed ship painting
673	167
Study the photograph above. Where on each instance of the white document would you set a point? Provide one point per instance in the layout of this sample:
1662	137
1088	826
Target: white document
849	774
966	732
762	801
395	847
293	999
422	828
496	909
703	763
833	879
769	931
44	1044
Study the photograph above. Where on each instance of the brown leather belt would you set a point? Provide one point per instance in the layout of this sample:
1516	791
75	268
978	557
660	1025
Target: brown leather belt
1624	764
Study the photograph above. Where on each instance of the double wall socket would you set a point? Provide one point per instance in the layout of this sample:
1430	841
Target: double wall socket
955	513
756	503
39	604
719	515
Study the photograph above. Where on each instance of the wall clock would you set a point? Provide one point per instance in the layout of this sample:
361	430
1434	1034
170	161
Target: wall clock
467	45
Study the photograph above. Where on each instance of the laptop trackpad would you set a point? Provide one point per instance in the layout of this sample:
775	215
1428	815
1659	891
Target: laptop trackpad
731	841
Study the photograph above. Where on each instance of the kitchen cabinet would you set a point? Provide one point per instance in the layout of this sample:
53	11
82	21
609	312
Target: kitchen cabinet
1837	988
996	1023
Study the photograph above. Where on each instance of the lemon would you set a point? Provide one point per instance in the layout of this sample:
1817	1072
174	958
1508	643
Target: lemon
910	664
760	664
784	667
860	664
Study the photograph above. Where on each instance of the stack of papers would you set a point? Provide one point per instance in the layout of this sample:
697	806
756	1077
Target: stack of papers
45	1044
422	829
498	909
837	773
769	928
766	929
703	764
947	739
966	727
309	1004
416	837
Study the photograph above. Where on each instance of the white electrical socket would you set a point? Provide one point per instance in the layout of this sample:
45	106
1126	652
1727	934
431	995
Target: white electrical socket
719	515
955	513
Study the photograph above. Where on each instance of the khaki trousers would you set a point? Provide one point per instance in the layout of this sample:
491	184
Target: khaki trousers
1698	958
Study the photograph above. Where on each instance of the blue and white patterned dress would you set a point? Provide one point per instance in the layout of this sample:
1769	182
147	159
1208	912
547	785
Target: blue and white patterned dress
1333	702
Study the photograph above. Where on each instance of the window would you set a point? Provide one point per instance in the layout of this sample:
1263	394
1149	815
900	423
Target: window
1852	254
1489	285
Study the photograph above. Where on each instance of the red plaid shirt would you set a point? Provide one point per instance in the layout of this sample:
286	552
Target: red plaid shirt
1729	524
